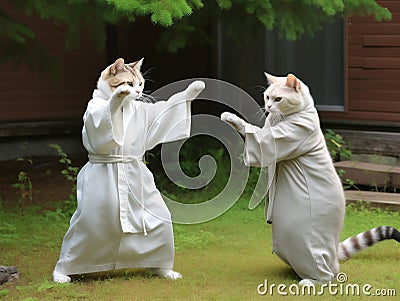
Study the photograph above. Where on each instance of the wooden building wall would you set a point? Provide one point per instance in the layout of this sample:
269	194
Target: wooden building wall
27	95
372	70
37	104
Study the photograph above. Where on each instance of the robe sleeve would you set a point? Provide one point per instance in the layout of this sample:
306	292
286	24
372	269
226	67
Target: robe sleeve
167	121
103	127
271	144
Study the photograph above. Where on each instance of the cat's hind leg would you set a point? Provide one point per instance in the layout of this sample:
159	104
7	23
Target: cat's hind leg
60	277
166	273
307	282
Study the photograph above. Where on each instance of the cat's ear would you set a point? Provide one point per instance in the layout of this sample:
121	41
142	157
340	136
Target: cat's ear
270	78
136	65
293	82
117	66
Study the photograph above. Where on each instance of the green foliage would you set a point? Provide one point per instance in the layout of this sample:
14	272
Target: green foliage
4	292
8	232
347	183
338	150
241	18
24	184
70	172
79	16
189	157
336	146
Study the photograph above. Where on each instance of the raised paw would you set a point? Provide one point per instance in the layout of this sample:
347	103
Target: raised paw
194	89
228	117
122	91
235	121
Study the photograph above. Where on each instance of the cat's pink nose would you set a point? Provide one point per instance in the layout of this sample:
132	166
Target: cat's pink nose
269	106
138	92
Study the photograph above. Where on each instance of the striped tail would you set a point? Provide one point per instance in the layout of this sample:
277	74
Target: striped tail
364	240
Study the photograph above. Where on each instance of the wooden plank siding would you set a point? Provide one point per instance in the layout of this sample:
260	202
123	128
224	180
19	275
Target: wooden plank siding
372	69
29	99
28	95
372	72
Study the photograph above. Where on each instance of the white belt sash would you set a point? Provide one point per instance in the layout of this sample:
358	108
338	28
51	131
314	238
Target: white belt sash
124	188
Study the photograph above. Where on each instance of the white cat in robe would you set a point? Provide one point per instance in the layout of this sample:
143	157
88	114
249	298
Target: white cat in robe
121	220
306	200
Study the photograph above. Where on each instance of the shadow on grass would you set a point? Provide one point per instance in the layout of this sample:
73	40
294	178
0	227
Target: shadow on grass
123	274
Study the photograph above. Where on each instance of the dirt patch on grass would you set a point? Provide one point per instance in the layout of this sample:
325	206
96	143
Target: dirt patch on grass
48	184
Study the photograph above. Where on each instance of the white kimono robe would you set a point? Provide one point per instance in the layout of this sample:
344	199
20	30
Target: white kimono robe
121	220
306	199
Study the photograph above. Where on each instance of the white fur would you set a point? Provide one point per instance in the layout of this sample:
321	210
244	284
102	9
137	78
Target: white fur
120	96
166	273
104	87
122	91
60	278
194	89
292	100
136	91
307	282
237	123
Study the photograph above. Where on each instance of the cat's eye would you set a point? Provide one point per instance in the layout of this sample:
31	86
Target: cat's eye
140	84
267	97
278	99
129	84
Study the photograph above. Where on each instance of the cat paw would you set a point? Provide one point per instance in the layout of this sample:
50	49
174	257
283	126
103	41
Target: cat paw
307	282
194	89
122	91
167	273
60	278
228	117
119	97
234	121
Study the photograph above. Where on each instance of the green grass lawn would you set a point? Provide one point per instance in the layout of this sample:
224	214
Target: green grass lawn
223	259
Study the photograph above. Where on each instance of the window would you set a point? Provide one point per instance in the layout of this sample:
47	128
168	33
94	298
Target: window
318	61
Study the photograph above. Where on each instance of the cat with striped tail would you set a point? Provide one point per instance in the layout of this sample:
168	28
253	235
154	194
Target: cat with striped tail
306	203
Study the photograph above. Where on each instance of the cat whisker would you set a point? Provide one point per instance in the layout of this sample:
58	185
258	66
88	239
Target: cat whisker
146	73
155	99
260	113
282	116
260	88
276	117
147	98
